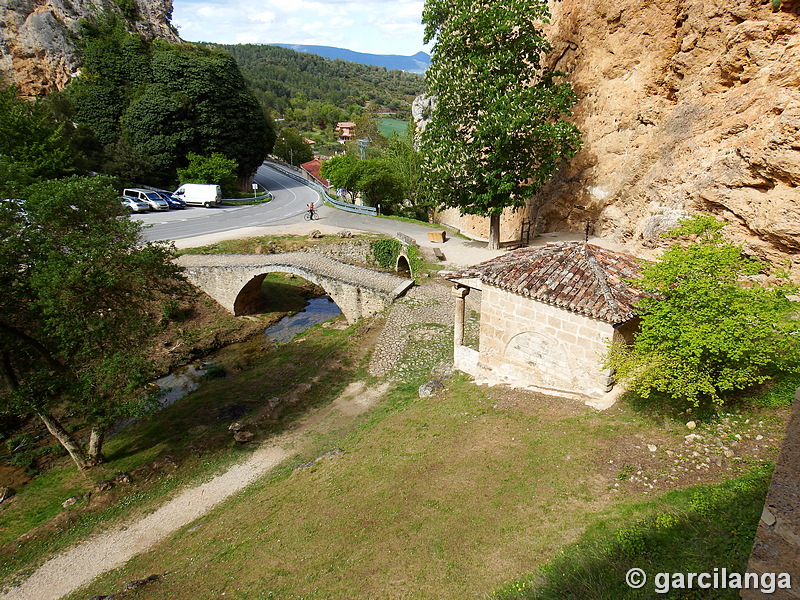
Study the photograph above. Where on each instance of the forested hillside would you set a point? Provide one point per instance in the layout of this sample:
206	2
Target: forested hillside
304	86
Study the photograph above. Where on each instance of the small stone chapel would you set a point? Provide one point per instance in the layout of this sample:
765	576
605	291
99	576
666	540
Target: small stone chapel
547	315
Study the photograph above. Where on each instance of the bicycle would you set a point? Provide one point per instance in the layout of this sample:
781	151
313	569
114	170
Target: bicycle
311	214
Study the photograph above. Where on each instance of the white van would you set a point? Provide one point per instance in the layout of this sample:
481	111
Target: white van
200	194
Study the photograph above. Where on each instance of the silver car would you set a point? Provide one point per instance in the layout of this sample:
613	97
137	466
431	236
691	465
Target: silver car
134	205
149	197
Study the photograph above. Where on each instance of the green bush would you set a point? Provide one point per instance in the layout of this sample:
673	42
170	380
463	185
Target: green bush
386	252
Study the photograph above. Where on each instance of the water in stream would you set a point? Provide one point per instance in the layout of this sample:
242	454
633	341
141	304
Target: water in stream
318	310
186	379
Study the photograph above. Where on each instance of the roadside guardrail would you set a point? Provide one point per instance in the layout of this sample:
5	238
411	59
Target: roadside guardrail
354	208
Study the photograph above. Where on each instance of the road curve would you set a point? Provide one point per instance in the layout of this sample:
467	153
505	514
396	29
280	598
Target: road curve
289	200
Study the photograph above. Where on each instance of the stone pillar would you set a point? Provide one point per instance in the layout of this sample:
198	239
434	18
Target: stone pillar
459	293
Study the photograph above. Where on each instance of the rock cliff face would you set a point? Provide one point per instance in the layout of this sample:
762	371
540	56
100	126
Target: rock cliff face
37	50
685	105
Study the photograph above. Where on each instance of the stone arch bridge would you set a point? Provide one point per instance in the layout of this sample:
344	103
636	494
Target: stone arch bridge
234	280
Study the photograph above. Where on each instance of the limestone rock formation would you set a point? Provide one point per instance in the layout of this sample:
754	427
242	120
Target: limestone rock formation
685	105
37	50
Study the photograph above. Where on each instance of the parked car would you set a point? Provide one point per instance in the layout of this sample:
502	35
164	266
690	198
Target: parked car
149	197
172	200
134	205
201	194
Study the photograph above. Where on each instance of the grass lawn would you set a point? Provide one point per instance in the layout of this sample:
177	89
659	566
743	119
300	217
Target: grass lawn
463	495
446	497
388	127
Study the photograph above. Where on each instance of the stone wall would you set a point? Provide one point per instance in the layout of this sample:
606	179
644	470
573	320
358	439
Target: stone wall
357	252
478	227
528	343
777	543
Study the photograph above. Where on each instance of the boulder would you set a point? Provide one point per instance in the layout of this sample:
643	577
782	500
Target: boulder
243	436
433	387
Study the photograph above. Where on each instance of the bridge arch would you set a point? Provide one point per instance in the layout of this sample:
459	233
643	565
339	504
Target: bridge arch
249	299
235	280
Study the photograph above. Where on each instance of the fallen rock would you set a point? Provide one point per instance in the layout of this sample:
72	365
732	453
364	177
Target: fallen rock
235	426
344	233
334	453
431	388
122	478
315	235
691	425
652	447
103	485
70	501
5	494
243	436
137	583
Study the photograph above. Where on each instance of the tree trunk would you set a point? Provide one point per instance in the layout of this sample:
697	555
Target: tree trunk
53	426
96	446
65	439
494	232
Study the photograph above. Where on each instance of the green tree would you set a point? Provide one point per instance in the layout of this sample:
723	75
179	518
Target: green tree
80	299
291	147
167	100
343	172
709	327
33	145
407	163
379	184
497	132
211	169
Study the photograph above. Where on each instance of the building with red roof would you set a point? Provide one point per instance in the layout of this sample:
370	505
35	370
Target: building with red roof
548	314
312	167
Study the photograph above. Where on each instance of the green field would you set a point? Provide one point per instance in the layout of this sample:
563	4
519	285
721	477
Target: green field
388	127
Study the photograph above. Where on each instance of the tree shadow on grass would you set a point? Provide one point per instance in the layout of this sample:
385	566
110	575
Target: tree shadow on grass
696	530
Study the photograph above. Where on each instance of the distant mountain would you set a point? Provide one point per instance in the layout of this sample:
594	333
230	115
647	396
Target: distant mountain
413	64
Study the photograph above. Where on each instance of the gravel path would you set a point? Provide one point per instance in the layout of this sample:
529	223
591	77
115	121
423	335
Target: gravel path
80	564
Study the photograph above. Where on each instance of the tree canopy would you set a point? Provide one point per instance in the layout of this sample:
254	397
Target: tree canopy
311	91
32	143
292	147
497	132
81	295
709	328
166	100
375	180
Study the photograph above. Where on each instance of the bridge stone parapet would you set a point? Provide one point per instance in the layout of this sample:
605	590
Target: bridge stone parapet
234	280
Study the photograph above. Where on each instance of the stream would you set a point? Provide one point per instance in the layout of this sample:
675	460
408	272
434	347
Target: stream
186	379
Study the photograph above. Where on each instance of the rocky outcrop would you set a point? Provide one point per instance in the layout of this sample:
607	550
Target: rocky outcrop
685	105
37	49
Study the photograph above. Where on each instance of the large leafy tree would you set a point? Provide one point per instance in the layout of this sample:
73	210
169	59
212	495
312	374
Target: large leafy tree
375	180
497	133
709	328
292	147
80	297
210	169
166	100
33	144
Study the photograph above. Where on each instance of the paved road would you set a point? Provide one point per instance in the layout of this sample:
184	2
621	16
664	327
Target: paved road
289	202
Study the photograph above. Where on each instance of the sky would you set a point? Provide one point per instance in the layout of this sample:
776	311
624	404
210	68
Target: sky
372	26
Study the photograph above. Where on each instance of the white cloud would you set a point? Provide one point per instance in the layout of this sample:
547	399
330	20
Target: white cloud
371	26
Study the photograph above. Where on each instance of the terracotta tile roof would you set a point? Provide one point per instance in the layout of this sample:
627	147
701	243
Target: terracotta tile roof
575	276
312	167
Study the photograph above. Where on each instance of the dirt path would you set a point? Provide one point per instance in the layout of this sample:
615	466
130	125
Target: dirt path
77	566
